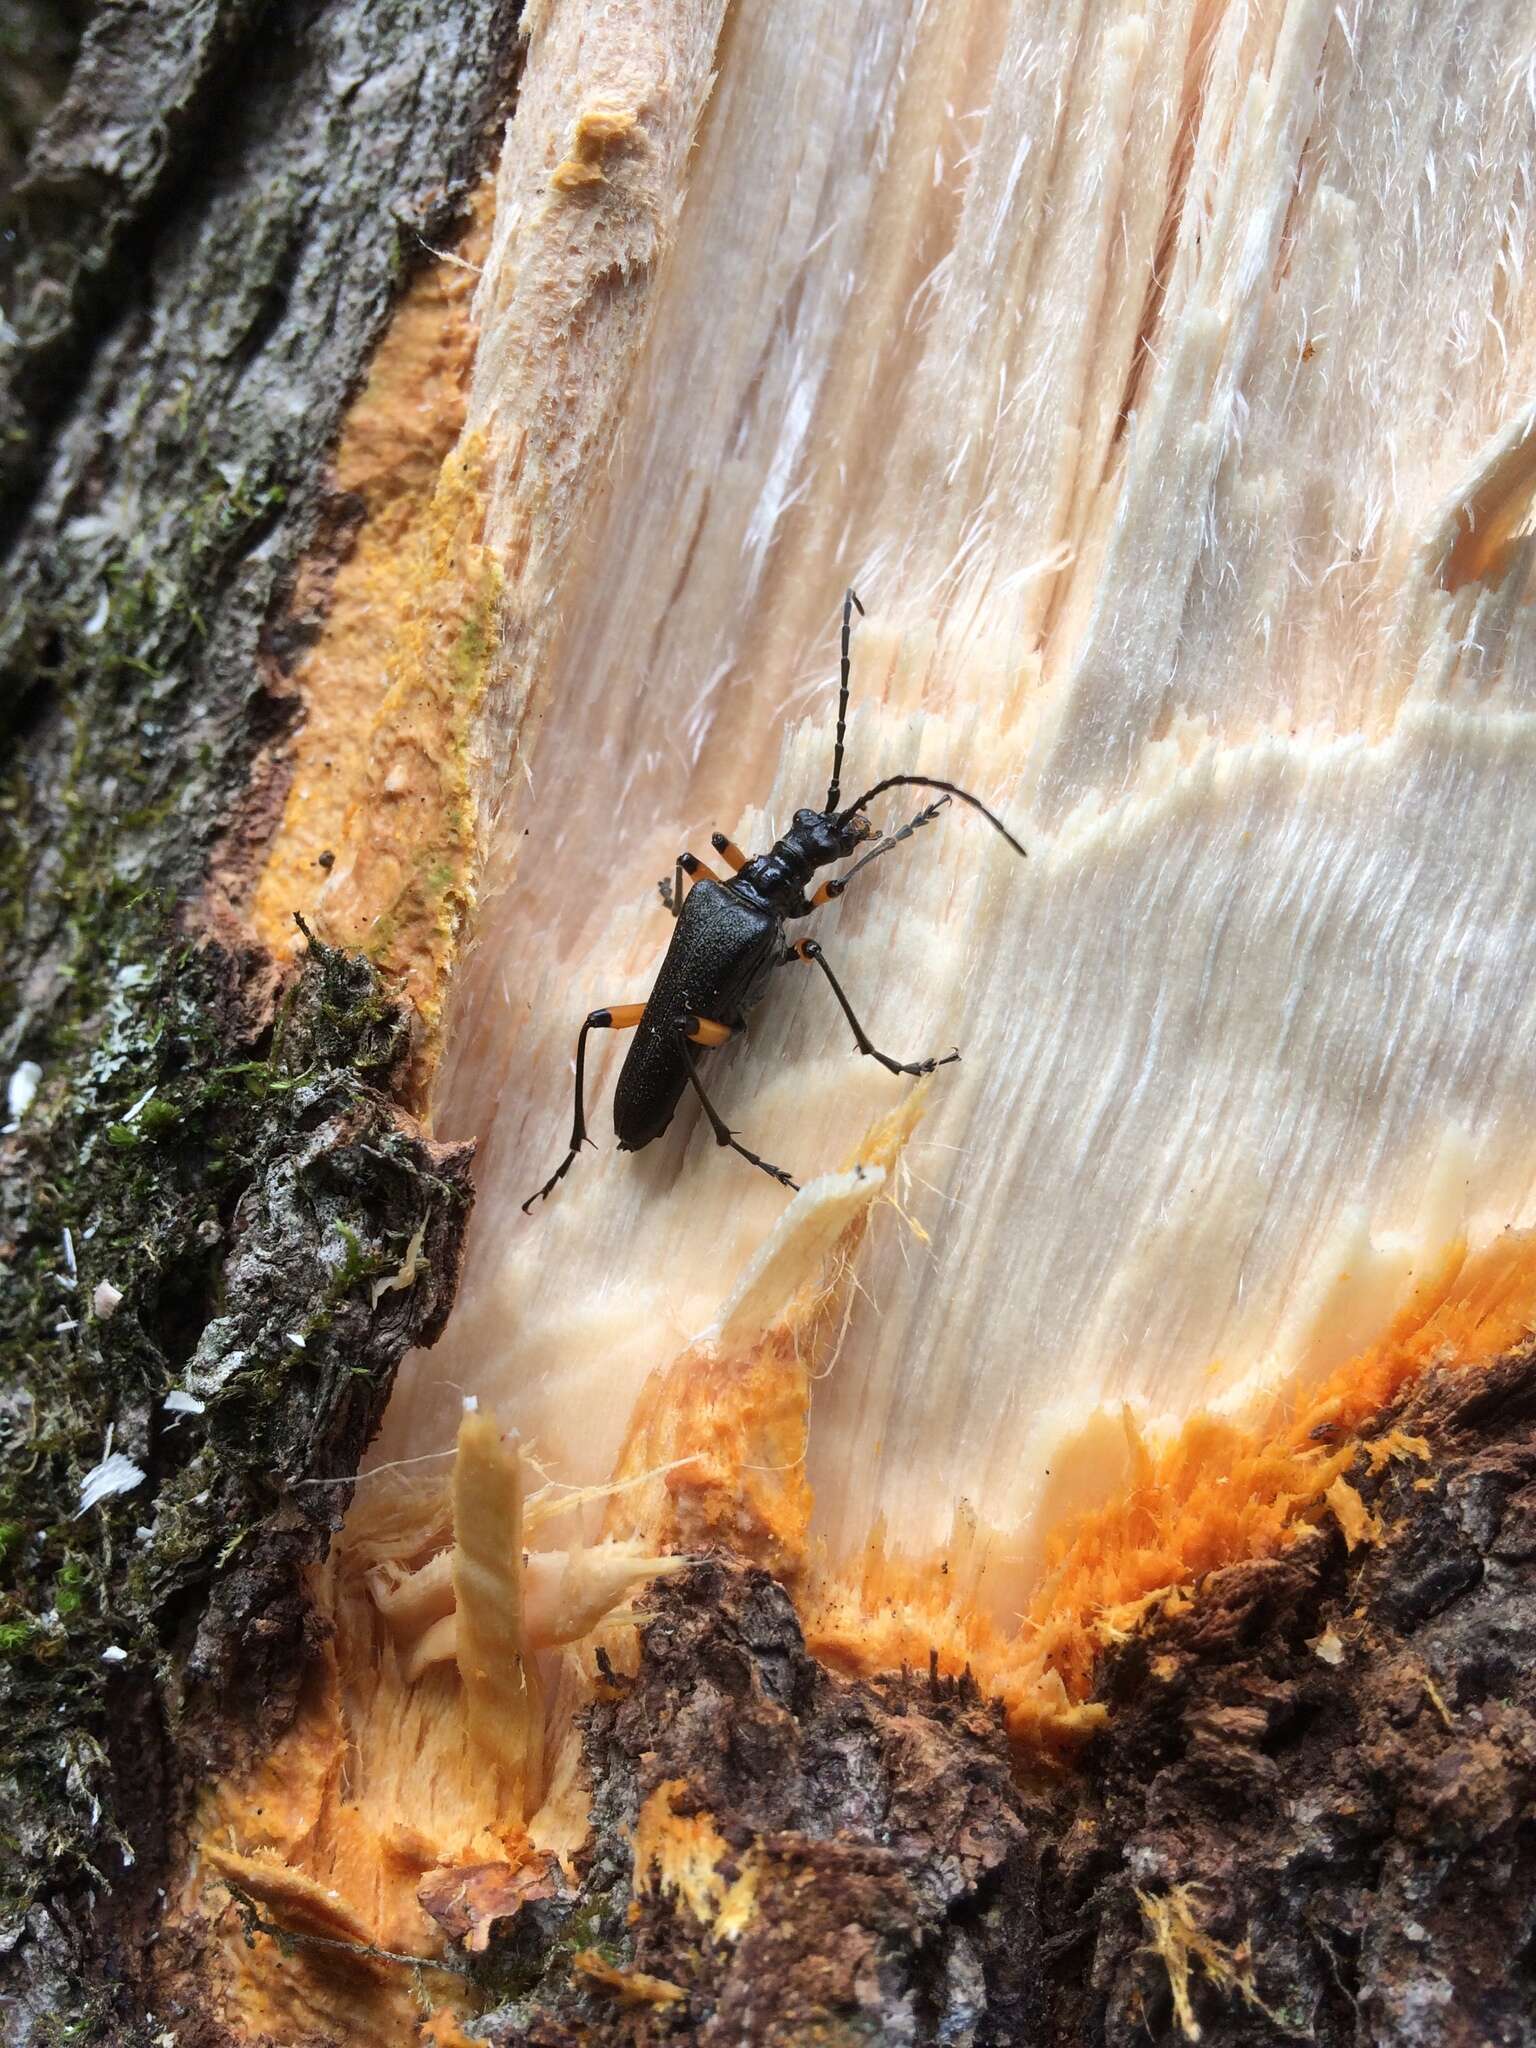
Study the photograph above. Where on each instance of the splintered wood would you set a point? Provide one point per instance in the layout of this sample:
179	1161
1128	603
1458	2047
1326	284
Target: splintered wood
1160	375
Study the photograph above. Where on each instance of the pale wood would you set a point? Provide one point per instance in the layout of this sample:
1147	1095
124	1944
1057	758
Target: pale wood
1138	365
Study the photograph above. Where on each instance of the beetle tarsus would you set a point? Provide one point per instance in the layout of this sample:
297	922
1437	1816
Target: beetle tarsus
555	1178
623	1017
717	1123
809	949
830	891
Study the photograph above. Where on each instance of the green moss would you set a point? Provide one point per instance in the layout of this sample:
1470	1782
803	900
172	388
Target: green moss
69	1587
142	1188
472	651
57	2032
528	1970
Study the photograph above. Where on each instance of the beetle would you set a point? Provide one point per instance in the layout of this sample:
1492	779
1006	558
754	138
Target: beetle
728	942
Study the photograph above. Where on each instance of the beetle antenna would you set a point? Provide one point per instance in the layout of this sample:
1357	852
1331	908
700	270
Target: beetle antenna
834	789
931	782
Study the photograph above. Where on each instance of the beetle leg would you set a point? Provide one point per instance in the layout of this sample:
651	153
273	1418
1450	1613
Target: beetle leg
808	949
690	865
830	891
688	1029
705	1031
730	853
622	1017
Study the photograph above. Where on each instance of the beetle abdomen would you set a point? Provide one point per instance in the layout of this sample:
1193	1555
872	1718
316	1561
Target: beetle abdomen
650	1082
718	951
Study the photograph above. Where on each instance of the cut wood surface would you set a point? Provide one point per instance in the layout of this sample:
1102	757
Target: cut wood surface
1140	367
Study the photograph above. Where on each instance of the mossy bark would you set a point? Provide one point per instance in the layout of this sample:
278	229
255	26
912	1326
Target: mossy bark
206	243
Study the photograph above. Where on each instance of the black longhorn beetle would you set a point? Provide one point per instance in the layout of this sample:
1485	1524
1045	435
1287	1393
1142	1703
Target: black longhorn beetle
727	940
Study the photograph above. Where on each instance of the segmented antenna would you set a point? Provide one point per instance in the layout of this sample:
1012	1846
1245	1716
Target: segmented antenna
834	791
830	891
931	782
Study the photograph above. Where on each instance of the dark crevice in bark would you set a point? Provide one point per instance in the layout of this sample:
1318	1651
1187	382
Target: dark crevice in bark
40	41
139	116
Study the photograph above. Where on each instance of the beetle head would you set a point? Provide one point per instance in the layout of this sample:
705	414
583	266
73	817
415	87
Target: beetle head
832	835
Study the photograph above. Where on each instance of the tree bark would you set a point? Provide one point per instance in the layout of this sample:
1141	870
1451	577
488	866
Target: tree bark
213	227
1305	1818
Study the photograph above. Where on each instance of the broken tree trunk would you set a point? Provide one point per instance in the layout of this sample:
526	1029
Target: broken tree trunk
1061	1578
